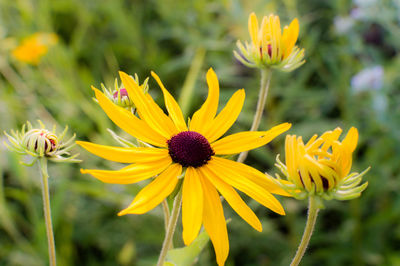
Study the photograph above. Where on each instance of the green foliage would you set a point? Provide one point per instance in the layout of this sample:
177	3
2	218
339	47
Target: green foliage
98	38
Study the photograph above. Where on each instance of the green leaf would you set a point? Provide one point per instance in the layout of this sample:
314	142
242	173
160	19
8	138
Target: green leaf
186	256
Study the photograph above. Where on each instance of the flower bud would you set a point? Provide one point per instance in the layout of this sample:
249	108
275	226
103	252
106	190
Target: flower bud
120	96
40	142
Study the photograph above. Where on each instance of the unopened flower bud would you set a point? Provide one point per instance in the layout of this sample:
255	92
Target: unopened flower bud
120	96
40	142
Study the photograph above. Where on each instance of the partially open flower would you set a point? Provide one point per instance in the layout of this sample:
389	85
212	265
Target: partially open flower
321	167
34	47
40	142
120	96
270	47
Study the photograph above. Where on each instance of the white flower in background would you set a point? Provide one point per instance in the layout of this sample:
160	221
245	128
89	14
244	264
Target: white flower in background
368	79
365	9
343	24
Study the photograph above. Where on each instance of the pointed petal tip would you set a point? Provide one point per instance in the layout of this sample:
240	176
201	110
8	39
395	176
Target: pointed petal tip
122	213
259	228
210	71
84	171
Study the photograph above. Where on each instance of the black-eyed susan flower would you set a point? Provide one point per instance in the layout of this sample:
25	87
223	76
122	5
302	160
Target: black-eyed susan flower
189	152
119	95
34	47
321	167
269	46
40	142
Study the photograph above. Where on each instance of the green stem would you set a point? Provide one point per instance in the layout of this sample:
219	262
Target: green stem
47	212
262	98
171	229
166	213
311	219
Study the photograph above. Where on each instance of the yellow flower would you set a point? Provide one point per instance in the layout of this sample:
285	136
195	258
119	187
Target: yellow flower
270	47
321	167
34	47
194	148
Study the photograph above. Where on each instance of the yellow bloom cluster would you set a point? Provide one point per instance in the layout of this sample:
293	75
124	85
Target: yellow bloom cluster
321	166
34	47
270	47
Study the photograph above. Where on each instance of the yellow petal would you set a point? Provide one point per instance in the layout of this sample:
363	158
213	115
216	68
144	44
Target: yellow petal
290	36
148	109
214	221
244	141
208	110
125	155
130	174
173	108
192	205
226	117
128	122
253	175
351	139
233	198
234	179
155	192
253	29
291	163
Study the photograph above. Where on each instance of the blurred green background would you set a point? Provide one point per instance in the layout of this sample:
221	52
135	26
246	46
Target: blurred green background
350	79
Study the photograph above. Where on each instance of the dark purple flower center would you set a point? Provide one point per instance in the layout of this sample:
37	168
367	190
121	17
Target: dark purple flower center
122	92
190	148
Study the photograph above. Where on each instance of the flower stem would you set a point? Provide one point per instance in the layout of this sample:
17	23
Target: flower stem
171	229
312	217
262	98
166	213
47	212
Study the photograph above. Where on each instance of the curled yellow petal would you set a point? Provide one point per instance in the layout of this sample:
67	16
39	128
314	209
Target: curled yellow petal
155	192
173	108
208	110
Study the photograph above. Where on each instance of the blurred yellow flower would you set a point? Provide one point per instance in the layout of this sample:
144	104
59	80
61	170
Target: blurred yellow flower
34	47
188	153
321	167
270	47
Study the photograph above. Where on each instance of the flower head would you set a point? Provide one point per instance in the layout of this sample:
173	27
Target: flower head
34	47
40	142
189	154
321	167
120	96
269	47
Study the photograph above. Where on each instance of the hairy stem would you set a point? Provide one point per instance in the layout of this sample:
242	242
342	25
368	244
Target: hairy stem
308	230
262	98
171	229
47	212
